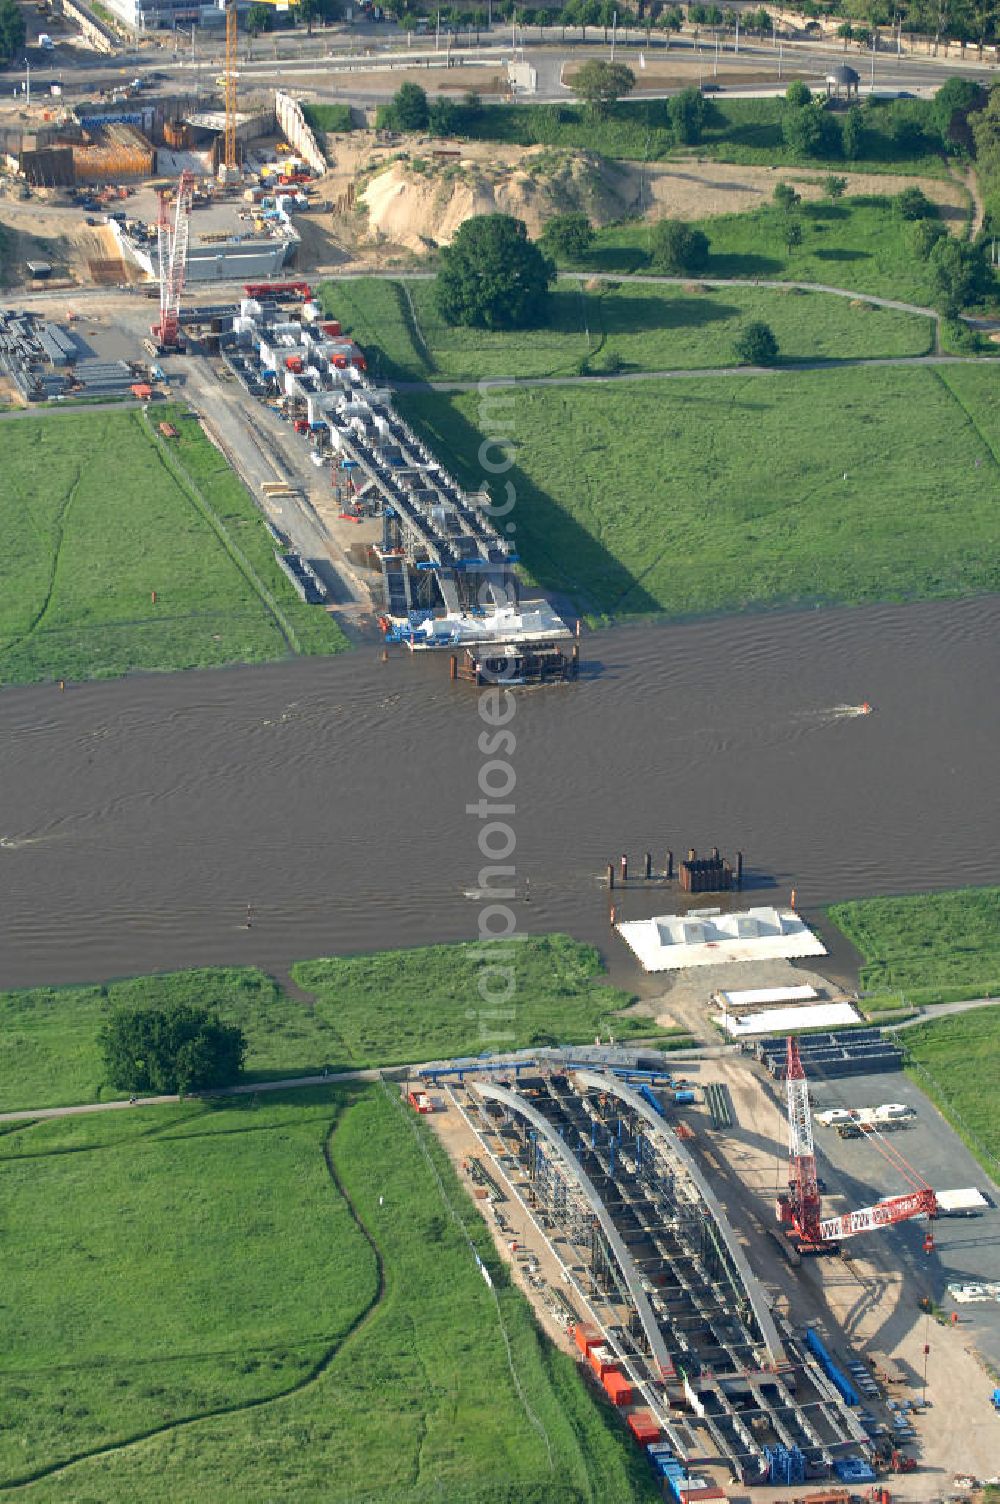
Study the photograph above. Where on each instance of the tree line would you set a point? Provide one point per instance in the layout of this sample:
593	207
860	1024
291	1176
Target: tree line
12	30
970	22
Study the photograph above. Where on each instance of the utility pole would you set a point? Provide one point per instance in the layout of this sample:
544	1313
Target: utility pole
737	33
27	84
614	33
874	41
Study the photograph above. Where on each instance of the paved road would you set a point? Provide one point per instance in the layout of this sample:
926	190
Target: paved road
940	1010
835	292
248	1089
328	59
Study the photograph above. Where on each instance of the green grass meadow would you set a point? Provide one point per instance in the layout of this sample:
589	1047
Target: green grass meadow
930	947
859	244
647	327
96	513
275	1301
384	1009
736	492
954	1060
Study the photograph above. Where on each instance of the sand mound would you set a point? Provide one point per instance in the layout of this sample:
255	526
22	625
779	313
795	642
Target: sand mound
418	199
420	202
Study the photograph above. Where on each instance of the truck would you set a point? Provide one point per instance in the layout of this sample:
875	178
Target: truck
967	1202
886	1118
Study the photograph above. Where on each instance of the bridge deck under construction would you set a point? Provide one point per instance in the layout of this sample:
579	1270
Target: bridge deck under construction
654	1260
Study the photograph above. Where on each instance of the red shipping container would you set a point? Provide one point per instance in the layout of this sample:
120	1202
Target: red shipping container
692	1495
586	1336
617	1388
601	1362
643	1425
332	326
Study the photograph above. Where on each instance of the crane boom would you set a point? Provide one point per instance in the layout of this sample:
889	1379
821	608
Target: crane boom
798	1208
229	145
172	245
803	1185
882	1214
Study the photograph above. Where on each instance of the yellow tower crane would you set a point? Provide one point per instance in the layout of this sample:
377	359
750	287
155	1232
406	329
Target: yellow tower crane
229	153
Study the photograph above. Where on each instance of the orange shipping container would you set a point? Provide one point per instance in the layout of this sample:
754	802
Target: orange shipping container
586	1336
643	1425
617	1388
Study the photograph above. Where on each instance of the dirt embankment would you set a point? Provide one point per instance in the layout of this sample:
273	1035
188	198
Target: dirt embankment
419	202
418	199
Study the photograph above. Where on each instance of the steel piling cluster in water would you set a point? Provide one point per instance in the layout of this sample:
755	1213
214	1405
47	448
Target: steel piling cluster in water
710	874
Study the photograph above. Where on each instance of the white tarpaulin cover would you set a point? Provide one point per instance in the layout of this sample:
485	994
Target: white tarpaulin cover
706	937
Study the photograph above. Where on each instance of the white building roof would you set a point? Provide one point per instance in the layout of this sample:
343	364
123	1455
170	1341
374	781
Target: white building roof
706	937
779	1020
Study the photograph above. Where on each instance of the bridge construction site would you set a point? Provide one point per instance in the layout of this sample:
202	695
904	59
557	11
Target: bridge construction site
712	1334
447	573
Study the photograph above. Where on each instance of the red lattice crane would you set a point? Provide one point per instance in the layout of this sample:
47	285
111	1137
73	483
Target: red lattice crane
799	1208
172	246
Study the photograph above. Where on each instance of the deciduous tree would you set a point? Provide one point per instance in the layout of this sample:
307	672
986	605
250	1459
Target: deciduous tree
756	345
407	110
260	18
676	247
600	83
493	277
12	30
687	115
960	274
853	134
177	1048
785	196
568	236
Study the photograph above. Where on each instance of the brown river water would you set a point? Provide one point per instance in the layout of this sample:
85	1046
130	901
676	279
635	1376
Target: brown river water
139	819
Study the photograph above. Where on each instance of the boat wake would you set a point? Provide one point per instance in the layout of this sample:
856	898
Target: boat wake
830	714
